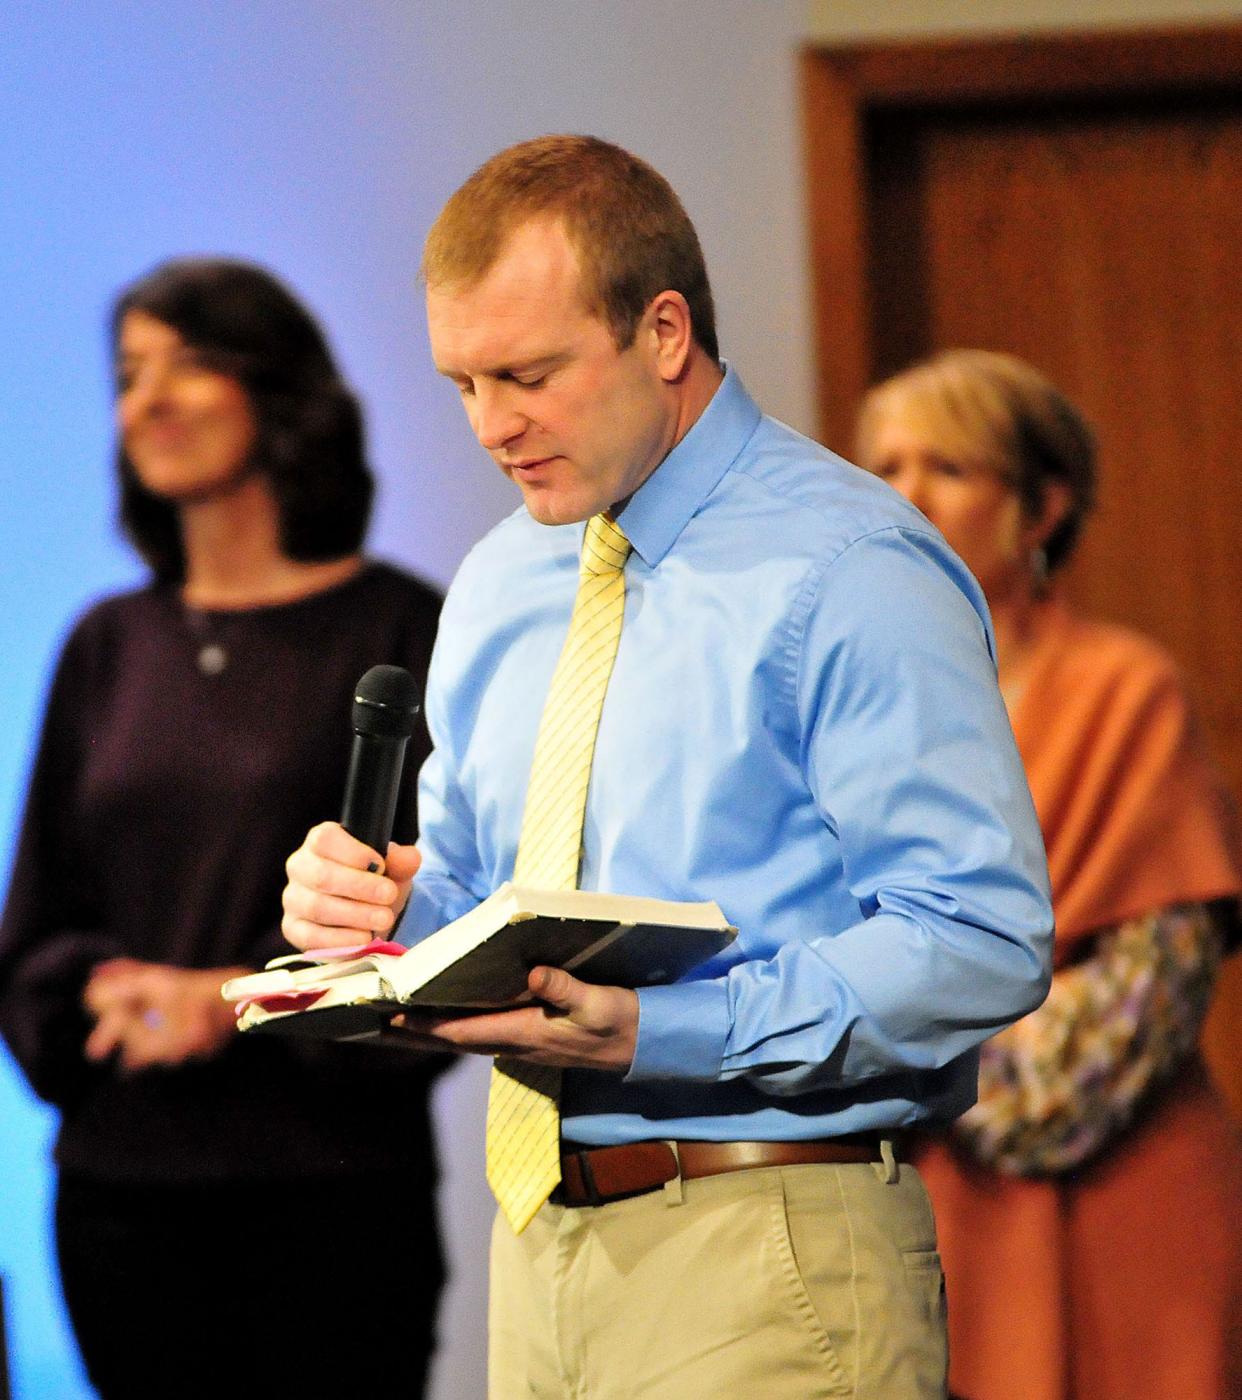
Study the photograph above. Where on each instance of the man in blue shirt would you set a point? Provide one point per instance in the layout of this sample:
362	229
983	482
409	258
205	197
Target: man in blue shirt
802	723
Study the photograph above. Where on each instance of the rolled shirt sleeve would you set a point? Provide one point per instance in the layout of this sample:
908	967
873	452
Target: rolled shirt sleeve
908	755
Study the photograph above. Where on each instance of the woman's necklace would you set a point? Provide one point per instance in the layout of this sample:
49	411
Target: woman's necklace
212	655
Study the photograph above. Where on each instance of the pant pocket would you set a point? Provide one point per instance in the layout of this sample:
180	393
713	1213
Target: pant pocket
866	1256
816	1266
926	1277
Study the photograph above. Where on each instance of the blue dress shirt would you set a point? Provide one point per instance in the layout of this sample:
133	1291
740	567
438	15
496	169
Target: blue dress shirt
802	724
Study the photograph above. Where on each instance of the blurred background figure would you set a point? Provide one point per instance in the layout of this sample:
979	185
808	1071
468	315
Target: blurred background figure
213	1192
1090	1206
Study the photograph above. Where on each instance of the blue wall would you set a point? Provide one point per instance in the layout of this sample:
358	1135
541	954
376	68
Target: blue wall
132	133
320	137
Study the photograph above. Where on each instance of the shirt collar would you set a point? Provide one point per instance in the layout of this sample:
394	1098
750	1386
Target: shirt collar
665	503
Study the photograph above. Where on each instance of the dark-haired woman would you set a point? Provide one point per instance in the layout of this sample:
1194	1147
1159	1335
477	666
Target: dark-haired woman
216	1193
1089	1207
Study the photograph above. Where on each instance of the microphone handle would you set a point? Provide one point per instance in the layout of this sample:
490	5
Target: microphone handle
371	789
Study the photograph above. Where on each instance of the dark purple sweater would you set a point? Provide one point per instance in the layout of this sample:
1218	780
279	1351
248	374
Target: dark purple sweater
184	756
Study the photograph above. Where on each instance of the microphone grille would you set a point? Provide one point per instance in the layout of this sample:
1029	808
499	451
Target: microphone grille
386	702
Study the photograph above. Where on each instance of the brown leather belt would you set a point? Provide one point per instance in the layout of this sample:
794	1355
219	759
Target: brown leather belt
593	1176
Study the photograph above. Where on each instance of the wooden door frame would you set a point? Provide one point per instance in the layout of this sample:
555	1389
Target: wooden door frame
845	88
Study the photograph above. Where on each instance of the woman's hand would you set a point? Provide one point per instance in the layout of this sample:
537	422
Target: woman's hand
336	895
153	1014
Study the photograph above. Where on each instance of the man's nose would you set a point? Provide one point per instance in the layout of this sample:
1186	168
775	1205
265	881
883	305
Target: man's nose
496	418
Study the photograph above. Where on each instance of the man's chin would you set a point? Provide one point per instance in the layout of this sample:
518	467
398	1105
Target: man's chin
551	508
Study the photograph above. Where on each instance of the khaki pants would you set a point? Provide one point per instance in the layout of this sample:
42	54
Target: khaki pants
778	1282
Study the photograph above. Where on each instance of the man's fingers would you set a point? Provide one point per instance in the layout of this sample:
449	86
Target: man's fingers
332	899
522	1032
320	875
332	842
401	1032
601	1039
336	911
308	935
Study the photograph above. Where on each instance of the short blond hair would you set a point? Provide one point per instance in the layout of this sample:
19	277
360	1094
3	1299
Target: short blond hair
995	411
632	236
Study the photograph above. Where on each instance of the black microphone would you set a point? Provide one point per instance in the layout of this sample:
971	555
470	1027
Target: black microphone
386	703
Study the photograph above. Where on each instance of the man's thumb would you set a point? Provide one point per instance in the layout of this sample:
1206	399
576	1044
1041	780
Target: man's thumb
553	985
402	862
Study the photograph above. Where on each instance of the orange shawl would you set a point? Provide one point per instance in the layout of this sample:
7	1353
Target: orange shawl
1118	1280
1134	816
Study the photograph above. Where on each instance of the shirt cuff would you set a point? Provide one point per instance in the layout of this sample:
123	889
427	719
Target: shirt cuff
682	1031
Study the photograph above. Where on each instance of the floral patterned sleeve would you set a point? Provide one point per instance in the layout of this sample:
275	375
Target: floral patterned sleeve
1056	1087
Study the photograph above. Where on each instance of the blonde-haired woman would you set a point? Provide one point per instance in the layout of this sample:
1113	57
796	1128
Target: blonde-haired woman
1090	1205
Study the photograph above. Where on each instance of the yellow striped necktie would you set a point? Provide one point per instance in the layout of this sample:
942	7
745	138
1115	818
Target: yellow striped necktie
523	1113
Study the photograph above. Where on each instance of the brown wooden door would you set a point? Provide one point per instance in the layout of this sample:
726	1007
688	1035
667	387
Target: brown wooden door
1077	201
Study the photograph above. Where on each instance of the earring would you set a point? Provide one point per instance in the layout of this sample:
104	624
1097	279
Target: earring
1039	569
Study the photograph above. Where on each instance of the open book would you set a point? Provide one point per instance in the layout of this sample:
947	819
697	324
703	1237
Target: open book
481	961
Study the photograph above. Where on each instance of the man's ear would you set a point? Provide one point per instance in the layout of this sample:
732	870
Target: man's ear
667	322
